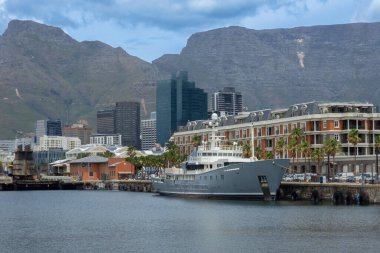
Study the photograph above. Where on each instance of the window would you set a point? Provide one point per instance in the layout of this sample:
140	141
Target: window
303	126
336	136
336	123
91	173
285	129
269	143
277	129
325	124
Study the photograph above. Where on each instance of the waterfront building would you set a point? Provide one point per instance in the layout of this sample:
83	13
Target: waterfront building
148	132
43	157
105	121
101	168
227	101
80	130
48	127
177	102
106	139
127	123
319	121
59	142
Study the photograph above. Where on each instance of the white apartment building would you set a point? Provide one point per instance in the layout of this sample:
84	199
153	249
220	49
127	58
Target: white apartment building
65	143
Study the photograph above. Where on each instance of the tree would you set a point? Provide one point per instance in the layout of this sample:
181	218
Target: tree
258	153
296	137
306	152
269	155
354	139
318	155
292	147
246	150
133	159
82	155
280	145
196	141
331	147
107	154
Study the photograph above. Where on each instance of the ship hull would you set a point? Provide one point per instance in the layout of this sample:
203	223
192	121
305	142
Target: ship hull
251	180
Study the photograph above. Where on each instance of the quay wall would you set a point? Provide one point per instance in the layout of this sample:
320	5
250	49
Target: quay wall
336	192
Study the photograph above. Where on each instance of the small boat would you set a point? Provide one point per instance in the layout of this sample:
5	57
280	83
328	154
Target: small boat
216	170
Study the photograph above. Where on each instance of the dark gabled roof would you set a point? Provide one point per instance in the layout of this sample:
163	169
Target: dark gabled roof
91	159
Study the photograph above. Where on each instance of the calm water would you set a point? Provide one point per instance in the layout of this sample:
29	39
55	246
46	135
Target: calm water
111	221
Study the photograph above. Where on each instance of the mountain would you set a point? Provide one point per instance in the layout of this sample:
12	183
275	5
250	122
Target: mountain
279	67
44	73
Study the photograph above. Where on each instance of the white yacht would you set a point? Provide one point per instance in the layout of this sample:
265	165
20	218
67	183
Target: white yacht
215	170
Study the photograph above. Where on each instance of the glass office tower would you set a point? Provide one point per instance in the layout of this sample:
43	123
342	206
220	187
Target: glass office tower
178	101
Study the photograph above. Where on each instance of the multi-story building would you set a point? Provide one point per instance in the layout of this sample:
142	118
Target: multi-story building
227	101
177	102
127	123
108	140
48	127
319	121
57	142
105	121
80	130
148	132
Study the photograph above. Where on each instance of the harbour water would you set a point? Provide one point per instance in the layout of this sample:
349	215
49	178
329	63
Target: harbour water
113	221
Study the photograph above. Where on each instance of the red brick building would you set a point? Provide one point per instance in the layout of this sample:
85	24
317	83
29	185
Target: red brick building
100	168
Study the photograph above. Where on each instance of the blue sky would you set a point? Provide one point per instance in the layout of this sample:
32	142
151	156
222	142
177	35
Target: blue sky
150	28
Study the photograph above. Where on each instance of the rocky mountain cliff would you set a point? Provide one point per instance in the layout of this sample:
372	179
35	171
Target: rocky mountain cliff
279	67
45	73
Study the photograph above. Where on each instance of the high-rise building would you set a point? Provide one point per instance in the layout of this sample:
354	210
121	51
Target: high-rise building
148	132
178	101
227	101
48	127
105	121
127	123
80	130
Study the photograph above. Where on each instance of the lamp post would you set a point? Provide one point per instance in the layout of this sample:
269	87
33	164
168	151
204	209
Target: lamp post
377	164
252	143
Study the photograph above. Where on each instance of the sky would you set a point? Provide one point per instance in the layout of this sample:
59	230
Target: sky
149	29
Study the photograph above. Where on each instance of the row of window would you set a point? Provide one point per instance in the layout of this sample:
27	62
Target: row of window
211	177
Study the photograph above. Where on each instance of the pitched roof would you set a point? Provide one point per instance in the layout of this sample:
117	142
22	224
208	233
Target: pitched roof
91	159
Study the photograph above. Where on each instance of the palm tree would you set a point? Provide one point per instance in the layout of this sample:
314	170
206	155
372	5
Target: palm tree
292	147
196	141
354	139
377	149
269	155
318	155
246	150
331	147
296	136
258	152
306	152
280	145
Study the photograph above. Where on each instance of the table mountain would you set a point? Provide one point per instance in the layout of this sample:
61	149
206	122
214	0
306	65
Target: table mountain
279	67
44	73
